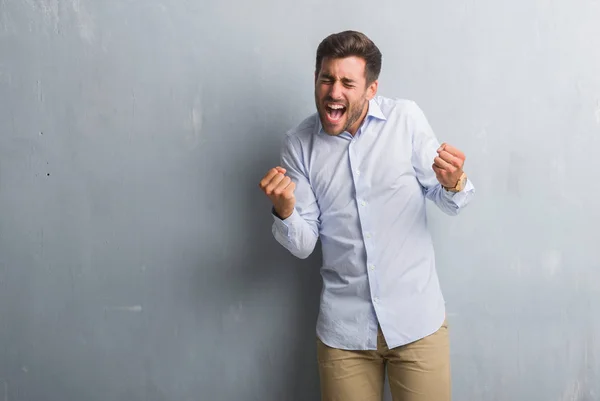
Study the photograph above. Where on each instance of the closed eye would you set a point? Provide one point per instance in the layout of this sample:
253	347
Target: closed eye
329	80
348	83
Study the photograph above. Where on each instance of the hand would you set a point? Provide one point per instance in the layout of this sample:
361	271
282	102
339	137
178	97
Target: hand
448	165
280	189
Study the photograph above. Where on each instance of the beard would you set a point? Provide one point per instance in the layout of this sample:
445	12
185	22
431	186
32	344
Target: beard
352	113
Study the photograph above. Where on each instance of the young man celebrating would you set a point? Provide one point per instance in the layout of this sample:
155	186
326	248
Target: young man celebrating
357	174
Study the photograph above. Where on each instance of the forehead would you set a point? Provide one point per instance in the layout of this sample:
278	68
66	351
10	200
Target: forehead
349	67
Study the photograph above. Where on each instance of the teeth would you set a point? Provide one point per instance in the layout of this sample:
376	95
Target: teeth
336	106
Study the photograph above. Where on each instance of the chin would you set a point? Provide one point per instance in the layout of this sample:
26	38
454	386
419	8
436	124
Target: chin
332	130
329	129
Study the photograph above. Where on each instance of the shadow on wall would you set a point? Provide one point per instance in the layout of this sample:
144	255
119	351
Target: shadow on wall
298	280
273	296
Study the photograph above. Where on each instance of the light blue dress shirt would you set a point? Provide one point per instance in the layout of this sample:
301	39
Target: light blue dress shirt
364	198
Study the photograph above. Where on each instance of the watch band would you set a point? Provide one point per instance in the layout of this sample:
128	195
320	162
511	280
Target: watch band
460	184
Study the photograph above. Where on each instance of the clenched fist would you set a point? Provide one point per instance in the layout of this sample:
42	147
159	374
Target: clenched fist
280	189
448	166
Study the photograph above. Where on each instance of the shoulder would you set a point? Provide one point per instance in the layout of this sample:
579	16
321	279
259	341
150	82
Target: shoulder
300	136
302	132
397	107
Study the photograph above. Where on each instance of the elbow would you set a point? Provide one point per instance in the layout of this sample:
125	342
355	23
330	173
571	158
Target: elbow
305	252
301	246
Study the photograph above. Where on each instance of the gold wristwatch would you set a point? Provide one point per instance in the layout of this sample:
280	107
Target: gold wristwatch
460	185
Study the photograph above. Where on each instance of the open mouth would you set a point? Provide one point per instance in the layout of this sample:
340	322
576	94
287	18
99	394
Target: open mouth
335	111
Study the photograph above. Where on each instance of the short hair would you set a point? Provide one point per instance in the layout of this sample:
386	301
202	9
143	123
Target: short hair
351	43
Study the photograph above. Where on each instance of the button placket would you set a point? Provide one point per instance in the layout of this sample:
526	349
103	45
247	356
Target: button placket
356	174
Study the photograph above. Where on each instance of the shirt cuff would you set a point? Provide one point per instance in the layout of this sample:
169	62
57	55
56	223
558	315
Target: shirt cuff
285	224
460	199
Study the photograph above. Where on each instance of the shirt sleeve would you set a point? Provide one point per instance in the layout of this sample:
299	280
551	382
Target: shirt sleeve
299	232
425	145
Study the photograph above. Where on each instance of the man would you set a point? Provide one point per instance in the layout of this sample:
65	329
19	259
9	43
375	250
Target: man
356	175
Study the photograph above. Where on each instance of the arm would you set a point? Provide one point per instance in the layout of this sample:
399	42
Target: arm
427	151
295	218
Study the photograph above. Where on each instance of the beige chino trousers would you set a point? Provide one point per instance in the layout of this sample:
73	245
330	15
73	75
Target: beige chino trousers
419	371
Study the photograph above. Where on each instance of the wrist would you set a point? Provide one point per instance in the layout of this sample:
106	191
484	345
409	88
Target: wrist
459	185
282	215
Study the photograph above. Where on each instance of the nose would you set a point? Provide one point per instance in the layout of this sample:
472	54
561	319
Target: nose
336	90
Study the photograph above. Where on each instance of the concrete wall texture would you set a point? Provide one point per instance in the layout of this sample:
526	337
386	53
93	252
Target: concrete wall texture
136	258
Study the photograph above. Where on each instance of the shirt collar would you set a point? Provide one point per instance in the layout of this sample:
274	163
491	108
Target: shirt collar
375	110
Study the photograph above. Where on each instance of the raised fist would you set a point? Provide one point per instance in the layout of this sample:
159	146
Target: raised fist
280	189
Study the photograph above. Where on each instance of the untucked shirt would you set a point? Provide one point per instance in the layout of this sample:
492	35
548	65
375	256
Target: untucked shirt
364	197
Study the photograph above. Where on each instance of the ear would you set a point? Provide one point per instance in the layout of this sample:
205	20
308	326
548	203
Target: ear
372	89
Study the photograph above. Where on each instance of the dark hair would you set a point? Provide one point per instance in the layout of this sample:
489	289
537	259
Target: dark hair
351	43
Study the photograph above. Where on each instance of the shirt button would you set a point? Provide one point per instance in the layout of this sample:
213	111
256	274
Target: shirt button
363	203
372	267
368	235
357	172
375	299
